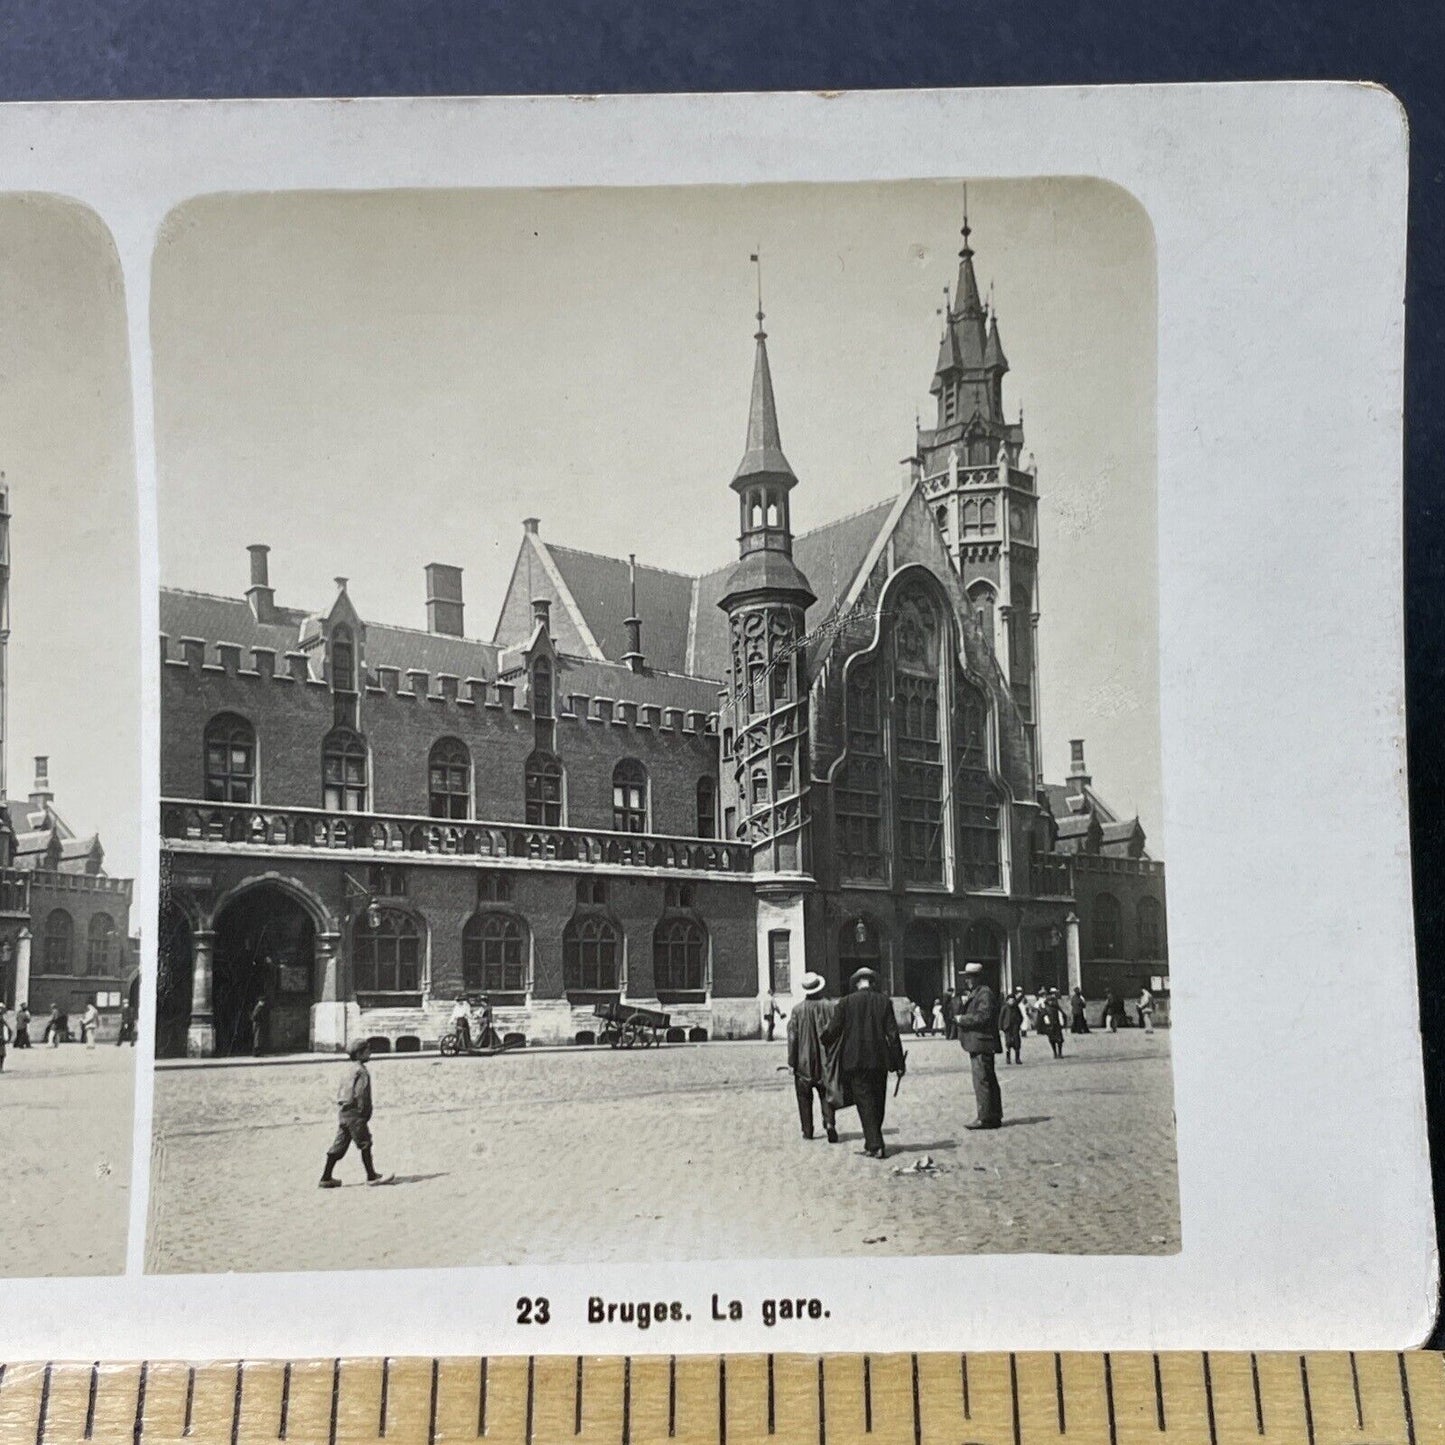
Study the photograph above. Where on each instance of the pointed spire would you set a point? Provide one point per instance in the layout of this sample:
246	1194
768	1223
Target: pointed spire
993	353
763	456
967	304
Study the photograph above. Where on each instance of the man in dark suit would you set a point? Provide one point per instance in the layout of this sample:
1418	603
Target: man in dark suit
866	1033
978	1033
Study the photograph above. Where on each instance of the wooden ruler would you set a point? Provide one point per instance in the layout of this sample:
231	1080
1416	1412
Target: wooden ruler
972	1399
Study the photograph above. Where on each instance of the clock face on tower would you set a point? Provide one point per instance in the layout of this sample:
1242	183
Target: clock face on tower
1021	521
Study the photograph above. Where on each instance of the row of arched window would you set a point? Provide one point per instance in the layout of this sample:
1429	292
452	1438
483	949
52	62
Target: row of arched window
1106	934
231	777
57	944
387	954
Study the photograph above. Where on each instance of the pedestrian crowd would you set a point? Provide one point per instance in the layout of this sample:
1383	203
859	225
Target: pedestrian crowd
15	1028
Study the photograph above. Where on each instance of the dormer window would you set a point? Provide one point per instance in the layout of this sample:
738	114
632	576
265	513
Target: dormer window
542	688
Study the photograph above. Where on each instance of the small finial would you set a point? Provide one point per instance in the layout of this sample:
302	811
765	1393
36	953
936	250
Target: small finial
757	259
340	583
966	232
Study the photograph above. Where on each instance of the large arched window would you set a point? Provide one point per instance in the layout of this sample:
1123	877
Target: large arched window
494	954
100	945
449	779
977	814
629	797
706	808
858	788
982	599
59	950
679	957
1108	929
230	759
919	779
544	790
591	955
1151	929
387	958
343	772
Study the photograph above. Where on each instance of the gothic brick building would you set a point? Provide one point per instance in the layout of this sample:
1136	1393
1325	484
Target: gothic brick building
679	791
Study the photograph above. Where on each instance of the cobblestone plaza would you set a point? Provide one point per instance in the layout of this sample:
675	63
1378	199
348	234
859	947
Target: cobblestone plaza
65	1187
680	1153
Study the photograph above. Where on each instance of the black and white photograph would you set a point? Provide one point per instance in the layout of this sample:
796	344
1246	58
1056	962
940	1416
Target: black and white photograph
659	727
70	835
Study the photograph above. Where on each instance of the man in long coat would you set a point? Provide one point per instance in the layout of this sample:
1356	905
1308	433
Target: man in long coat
978	1033
814	1064
869	1048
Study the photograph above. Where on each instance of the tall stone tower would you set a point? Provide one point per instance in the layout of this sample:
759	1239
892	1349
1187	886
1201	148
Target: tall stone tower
765	725
984	502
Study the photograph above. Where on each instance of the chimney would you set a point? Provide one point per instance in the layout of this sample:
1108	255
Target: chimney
531	524
911	473
40	794
542	614
633	623
444	599
1079	778
259	593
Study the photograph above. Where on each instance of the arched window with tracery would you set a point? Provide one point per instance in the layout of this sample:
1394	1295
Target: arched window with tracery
591	955
59	950
386	952
230	744
679	959
449	779
919	779
1151	929
543	781
977	813
1108	929
494	954
100	950
629	797
858	786
343	772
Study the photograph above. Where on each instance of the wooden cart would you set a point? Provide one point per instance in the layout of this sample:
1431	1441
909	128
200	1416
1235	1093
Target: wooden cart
626	1026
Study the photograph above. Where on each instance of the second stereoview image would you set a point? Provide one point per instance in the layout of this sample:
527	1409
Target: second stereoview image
614	808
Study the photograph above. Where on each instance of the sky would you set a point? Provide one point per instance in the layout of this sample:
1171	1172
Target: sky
369	382
67	454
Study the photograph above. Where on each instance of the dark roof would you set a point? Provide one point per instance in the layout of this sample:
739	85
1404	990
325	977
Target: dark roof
771	571
1074	825
763	458
601	588
612	679
229	619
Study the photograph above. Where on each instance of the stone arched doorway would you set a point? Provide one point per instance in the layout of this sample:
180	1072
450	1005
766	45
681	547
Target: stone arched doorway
175	965
983	944
923	965
265	947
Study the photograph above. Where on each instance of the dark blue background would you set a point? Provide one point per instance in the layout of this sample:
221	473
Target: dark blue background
64	50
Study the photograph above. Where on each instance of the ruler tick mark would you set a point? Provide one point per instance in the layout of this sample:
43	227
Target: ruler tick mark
90	1402
1355	1381
1109	1399
44	1406
671	1396
627	1400
236	1402
1304	1380
1209	1399
482	1399
917	1414
431	1414
190	1397
335	1398
1013	1391
1258	1401
385	1392
1059	1389
963	1374
284	1422
822	1407
1405	1396
867	1396
772	1422
577	1400
1158	1397
531	1389
140	1406
722	1400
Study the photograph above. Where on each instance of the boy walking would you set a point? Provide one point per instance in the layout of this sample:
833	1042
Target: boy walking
353	1124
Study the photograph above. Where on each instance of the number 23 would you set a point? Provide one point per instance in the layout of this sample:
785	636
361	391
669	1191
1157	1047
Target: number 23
534	1311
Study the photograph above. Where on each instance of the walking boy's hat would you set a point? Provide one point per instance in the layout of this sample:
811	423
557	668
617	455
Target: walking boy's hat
973	968
813	984
859	974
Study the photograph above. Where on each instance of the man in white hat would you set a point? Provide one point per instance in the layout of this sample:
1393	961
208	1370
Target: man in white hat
978	1033
814	1065
869	1048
